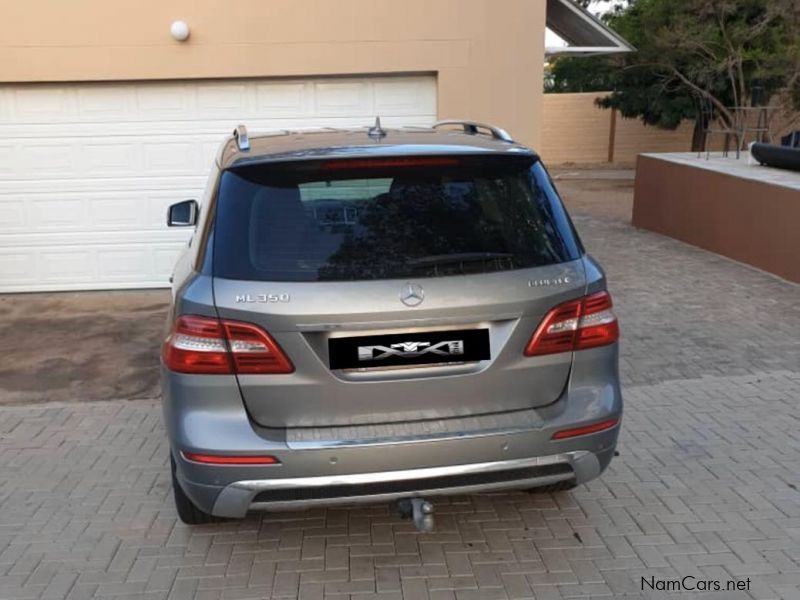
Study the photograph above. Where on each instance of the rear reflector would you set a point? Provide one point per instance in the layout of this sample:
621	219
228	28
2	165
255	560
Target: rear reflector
588	322
597	427
231	460
208	346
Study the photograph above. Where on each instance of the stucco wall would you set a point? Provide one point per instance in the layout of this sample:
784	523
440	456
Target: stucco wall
575	130
488	55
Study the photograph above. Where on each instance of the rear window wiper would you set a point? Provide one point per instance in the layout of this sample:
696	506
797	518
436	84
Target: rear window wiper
458	258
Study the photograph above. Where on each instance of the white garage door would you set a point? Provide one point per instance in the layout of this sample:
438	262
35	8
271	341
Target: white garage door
88	170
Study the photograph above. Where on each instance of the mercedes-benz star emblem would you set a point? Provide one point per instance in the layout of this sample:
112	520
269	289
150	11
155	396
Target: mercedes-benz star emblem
412	294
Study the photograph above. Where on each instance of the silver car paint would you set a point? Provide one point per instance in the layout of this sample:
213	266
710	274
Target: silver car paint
314	395
429	417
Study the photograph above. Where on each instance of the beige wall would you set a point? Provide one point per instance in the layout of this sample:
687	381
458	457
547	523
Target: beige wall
487	54
633	138
575	130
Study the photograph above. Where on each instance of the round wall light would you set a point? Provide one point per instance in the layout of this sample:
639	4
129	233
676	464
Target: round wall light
179	31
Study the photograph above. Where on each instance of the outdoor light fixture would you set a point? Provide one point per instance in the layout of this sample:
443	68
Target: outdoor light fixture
179	31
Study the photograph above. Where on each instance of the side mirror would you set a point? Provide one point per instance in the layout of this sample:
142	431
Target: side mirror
183	214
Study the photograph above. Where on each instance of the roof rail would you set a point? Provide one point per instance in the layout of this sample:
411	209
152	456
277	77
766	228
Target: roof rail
472	128
241	137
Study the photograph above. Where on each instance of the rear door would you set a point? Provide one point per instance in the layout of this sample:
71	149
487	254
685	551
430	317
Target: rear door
401	289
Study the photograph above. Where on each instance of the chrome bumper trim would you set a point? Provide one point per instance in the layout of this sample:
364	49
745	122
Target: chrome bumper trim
237	498
519	484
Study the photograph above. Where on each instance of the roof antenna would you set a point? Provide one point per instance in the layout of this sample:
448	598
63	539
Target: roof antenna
376	132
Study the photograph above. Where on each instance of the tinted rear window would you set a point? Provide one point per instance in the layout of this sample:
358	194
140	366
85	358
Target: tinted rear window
388	218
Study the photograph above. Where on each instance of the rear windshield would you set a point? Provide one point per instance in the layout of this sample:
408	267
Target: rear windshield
345	220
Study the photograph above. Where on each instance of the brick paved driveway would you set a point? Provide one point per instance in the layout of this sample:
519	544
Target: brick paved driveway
706	484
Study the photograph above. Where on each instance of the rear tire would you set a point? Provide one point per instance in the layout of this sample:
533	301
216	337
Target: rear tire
187	511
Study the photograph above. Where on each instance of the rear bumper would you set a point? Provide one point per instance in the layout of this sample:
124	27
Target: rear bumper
516	451
375	473
303	492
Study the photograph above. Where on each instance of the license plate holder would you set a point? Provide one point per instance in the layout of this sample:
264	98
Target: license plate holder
408	349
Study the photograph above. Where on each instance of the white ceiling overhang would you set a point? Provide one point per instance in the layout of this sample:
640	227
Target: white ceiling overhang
583	32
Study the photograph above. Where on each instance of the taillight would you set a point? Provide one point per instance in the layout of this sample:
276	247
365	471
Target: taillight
598	325
208	346
576	325
254	351
197	345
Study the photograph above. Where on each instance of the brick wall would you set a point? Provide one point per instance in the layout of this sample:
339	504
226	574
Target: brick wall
575	130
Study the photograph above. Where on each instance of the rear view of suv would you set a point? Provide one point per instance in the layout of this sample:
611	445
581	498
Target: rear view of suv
375	315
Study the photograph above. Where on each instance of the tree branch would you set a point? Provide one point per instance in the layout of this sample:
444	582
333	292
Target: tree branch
723	110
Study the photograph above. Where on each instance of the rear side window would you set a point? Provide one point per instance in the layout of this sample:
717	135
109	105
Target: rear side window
362	219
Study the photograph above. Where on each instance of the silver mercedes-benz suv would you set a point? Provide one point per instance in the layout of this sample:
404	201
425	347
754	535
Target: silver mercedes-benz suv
383	314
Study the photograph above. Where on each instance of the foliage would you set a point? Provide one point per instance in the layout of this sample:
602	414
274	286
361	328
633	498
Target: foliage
723	52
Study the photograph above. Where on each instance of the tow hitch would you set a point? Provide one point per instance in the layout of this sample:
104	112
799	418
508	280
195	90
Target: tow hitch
419	510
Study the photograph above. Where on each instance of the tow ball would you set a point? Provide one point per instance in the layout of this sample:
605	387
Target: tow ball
419	510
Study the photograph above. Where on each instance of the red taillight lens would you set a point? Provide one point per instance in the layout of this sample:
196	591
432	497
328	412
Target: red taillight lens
196	345
207	346
254	351
209	459
576	325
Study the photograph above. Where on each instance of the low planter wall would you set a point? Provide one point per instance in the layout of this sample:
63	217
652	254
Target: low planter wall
750	214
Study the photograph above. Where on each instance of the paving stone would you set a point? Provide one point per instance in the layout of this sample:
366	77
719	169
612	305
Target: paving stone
706	482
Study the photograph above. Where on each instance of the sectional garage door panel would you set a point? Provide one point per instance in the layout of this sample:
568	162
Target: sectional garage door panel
87	170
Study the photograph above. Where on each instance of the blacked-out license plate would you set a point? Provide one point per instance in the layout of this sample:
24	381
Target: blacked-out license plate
431	347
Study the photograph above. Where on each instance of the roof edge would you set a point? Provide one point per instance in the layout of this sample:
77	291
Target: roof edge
584	32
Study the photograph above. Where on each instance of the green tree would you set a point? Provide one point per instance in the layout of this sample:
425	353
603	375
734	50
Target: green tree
689	52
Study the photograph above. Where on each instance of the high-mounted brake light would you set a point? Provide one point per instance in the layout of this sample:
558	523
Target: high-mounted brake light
208	346
576	325
380	163
210	459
